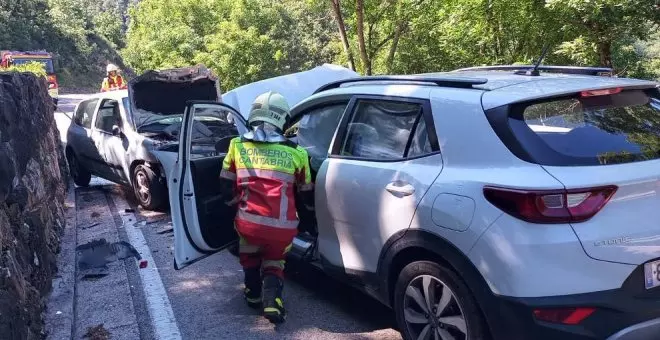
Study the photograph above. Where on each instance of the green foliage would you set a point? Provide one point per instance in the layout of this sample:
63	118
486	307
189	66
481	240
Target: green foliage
83	35
36	68
242	41
604	23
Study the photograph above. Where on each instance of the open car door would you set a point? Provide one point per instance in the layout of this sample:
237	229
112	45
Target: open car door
203	223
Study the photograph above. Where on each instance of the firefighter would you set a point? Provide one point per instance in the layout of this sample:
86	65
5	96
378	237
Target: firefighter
113	80
267	172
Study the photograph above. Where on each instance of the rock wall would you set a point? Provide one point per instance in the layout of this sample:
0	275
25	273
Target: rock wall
32	189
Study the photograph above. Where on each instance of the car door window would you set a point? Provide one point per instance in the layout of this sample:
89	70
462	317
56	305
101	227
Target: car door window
380	130
316	129
84	113
108	116
420	144
213	127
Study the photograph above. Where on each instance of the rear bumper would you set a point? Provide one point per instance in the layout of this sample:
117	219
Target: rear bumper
628	313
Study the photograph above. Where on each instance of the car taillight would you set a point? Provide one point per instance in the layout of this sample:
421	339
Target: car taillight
604	92
566	316
550	206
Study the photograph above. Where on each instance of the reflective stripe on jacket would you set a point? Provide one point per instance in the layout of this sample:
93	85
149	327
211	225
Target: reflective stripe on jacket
112	83
266	176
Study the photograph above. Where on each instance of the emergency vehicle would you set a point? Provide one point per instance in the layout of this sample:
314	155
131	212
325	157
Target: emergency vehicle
9	58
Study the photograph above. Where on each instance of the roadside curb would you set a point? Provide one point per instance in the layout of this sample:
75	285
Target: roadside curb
59	314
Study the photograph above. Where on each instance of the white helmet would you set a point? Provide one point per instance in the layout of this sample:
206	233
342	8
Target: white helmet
111	67
270	107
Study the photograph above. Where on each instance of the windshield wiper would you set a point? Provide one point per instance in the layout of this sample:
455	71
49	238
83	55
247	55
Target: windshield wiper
150	123
146	118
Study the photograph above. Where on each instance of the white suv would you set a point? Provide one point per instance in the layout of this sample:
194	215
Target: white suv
481	203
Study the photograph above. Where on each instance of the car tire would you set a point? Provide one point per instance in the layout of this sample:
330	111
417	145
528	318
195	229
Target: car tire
148	188
459	316
81	176
233	249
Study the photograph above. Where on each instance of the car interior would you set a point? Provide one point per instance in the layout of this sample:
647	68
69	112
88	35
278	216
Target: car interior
108	116
205	170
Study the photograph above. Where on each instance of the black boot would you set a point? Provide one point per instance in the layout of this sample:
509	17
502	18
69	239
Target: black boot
252	291
272	299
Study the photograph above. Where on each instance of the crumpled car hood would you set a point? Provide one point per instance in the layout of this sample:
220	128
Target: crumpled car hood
294	87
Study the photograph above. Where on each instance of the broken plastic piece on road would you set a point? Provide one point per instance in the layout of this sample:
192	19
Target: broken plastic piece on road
165	231
143	264
91	225
99	253
93	277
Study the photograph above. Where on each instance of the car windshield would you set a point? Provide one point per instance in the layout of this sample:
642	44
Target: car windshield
144	118
48	63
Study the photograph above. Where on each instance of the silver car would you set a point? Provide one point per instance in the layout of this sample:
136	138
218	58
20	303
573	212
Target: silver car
488	203
113	134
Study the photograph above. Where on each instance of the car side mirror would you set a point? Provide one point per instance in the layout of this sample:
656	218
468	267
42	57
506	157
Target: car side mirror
116	130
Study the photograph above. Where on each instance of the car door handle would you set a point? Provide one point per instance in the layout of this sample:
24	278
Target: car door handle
399	188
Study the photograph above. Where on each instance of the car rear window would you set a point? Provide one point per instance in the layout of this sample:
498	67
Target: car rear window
590	130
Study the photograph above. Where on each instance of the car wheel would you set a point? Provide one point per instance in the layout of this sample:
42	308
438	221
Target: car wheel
81	176
149	190
233	249
432	303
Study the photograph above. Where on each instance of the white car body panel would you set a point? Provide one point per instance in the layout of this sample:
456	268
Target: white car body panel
531	260
627	229
189	243
357	215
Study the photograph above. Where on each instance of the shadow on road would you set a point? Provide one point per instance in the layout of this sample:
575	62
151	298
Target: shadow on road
339	309
354	303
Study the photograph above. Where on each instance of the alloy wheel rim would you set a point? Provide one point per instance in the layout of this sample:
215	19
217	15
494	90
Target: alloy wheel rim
432	312
142	188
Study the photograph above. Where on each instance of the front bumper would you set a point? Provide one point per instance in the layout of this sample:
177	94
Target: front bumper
628	313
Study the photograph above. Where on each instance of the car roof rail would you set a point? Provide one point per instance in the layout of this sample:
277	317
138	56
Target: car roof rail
588	71
458	82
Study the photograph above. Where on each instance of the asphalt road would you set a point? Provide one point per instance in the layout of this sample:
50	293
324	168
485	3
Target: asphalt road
206	297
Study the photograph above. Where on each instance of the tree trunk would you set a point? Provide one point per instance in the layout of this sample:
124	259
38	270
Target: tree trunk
336	9
605	53
366	64
395	42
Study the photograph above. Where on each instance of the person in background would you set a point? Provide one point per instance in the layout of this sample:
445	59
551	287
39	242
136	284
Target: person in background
113	80
266	171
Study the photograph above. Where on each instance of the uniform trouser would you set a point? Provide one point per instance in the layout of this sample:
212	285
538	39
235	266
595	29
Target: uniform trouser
255	252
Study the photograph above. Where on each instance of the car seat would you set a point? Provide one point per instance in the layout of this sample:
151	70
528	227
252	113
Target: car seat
361	135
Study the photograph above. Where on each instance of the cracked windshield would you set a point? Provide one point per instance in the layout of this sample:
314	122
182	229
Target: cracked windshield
330	169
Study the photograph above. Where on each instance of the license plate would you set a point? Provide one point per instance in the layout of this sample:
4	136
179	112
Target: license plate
652	274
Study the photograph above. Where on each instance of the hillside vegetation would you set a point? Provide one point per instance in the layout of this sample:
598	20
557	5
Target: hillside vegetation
84	34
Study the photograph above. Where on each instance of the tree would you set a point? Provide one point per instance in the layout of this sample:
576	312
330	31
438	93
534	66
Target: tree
336	10
377	25
241	41
604	22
